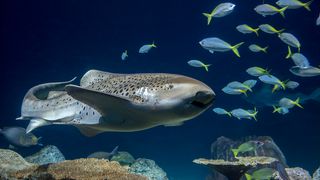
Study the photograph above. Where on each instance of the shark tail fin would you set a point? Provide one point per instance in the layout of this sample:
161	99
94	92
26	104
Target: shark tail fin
114	151
209	18
307	5
281	11
296	102
235	49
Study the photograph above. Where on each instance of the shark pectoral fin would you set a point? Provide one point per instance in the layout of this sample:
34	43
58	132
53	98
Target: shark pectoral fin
35	123
53	94
173	124
88	131
102	102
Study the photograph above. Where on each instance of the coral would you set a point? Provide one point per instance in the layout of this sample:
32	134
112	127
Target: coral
48	154
233	170
316	174
148	168
11	161
80	169
124	158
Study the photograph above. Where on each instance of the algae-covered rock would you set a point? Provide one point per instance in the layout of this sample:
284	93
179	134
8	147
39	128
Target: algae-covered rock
11	161
221	148
148	168
124	158
48	154
79	169
316	174
233	170
296	173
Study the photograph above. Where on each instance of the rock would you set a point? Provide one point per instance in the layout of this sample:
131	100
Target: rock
234	170
148	168
124	158
316	174
11	161
220	149
48	154
296	173
79	169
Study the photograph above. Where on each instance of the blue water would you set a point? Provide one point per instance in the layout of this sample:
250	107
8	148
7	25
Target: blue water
44	41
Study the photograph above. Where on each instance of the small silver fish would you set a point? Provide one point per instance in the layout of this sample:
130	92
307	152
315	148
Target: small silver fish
124	55
288	103
269	29
244	114
221	10
290	40
292	84
197	63
267	9
246	29
17	136
104	155
213	44
221	111
146	48
294	4
300	60
257	48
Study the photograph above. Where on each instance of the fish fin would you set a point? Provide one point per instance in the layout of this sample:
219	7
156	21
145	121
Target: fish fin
275	109
209	18
114	151
307	5
235	48
280	31
206	67
88	131
248	176
289	53
102	102
35	123
235	152
296	102
211	51
254	114
265	49
256	31
173	124
229	114
281	11
153	45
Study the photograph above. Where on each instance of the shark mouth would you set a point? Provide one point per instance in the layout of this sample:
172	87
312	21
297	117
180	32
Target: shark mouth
203	99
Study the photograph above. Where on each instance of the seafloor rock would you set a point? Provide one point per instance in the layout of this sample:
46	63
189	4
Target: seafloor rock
221	149
149	168
233	170
316	174
11	161
296	173
48	154
124	158
79	169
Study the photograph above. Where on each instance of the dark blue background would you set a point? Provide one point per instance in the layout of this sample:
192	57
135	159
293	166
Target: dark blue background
45	41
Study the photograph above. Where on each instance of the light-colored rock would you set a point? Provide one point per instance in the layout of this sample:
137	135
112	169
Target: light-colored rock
79	169
296	173
48	154
148	168
11	161
316	174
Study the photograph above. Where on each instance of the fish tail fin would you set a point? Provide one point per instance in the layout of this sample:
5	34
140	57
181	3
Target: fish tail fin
254	114
281	11
114	151
248	176
265	49
206	67
299	49
235	48
244	91
283	84
153	45
289	53
235	152
275	87
229	114
280	31
256	31
296	102
275	109
209	17
307	5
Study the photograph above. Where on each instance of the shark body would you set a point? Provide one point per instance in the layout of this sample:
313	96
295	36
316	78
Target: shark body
117	102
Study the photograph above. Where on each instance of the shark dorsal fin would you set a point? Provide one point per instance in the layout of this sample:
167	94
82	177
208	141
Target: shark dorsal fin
93	76
102	102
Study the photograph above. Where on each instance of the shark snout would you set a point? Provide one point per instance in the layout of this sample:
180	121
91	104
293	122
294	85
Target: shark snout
203	99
